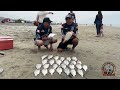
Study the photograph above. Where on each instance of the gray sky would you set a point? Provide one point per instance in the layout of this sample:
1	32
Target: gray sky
83	17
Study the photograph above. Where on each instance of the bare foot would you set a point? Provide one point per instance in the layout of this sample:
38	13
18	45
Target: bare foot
73	50
39	47
46	46
51	48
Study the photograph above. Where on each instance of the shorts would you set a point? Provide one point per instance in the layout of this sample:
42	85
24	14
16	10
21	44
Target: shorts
47	42
64	45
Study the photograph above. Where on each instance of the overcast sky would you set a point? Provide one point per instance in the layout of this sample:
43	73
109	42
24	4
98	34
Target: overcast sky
83	17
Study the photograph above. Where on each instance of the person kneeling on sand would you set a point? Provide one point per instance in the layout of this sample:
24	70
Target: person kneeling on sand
71	27
42	32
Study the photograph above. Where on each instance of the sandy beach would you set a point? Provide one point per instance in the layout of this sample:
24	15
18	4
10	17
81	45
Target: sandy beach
19	63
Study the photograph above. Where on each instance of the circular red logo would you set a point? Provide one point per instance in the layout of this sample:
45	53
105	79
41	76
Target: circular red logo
108	69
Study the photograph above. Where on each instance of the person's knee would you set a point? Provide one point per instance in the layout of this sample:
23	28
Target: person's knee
60	50
39	42
75	41
55	41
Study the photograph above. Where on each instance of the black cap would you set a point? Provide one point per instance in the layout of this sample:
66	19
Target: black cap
47	20
68	16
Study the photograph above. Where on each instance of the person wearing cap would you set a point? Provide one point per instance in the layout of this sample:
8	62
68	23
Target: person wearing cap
41	15
42	32
73	15
69	26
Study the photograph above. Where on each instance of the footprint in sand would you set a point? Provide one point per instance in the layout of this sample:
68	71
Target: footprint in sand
107	52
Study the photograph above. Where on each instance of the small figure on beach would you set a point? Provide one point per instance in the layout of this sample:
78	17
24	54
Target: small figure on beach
69	34
98	22
101	31
42	33
73	15
40	16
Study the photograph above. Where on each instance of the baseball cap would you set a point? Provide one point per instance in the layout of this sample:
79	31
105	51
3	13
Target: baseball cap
68	16
47	20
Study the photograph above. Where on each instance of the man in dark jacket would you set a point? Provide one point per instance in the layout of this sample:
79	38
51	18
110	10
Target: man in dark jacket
98	22
69	26
42	32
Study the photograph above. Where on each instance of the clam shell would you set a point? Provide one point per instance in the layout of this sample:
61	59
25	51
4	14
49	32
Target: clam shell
73	72
67	71
38	66
44	56
50	56
51	61
46	66
74	58
36	72
79	66
59	70
56	57
44	71
85	67
80	72
62	58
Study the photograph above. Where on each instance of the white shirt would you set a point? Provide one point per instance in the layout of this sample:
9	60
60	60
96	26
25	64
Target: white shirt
41	15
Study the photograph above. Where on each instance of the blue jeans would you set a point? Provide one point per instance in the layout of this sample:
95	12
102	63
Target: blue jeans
98	26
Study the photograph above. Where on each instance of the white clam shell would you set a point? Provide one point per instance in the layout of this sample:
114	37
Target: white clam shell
58	62
46	66
63	65
73	72
66	62
85	67
74	58
51	61
51	71
50	56
80	72
68	58
36	72
67	71
44	56
44	71
71	66
79	66
62	58
56	57
44	61
55	66
1	70
79	62
38	66
73	62
59	70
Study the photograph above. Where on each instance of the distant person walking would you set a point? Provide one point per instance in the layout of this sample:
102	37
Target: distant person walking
40	16
73	15
98	23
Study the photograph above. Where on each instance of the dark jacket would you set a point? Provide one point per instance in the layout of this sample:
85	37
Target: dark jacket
66	28
42	31
98	19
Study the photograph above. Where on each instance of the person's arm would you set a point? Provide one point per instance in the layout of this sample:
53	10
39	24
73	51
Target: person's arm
95	19
38	33
37	18
75	28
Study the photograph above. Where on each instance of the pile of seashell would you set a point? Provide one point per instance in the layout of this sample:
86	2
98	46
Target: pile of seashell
68	65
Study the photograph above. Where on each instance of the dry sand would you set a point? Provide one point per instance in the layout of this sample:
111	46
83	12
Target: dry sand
19	63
